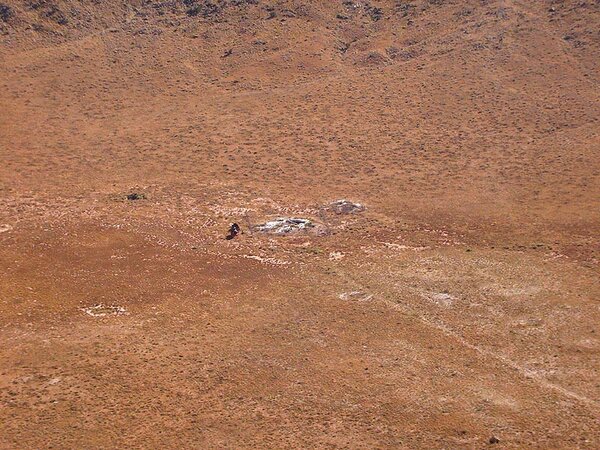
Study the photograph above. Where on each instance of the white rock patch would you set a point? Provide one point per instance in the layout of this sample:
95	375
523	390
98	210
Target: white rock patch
336	256
356	296
442	299
101	310
285	225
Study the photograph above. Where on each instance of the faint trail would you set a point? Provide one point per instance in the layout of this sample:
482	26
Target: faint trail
523	371
449	332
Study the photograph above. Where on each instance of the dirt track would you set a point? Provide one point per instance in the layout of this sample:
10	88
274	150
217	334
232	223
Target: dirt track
461	305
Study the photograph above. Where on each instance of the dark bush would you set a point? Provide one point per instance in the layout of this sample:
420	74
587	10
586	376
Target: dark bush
5	13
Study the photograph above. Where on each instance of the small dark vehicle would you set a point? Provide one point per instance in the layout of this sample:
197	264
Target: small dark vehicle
234	230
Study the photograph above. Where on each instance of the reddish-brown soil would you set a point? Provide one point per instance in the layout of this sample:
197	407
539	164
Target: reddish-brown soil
460	309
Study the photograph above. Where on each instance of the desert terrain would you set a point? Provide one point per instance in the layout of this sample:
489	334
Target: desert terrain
440	288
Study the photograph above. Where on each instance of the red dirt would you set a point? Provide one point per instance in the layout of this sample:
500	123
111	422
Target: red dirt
461	305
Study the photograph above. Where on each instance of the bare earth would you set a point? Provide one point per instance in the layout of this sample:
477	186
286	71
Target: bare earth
459	309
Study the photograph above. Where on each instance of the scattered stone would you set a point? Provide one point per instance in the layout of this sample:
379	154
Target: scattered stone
344	46
5	227
207	10
494	440
443	299
356	295
346	207
267	260
335	256
374	13
374	58
285	225
288	13
135	196
101	310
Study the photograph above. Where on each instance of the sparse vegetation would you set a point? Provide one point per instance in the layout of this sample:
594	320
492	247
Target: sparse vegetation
5	13
299	224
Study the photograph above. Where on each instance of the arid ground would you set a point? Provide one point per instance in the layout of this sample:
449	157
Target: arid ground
459	307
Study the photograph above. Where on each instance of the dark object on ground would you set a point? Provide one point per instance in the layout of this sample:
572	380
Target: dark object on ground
135	196
494	440
5	13
271	11
375	13
234	230
207	9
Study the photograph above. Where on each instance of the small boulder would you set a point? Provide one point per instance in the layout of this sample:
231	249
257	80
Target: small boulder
345	207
